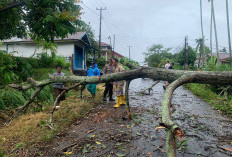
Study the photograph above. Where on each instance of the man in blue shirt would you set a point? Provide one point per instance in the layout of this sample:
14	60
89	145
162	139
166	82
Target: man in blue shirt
93	71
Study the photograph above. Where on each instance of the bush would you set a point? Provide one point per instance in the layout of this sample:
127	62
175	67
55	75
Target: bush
10	98
45	60
23	69
101	62
7	66
58	60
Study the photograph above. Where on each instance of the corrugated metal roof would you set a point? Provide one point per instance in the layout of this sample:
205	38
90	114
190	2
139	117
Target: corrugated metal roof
77	36
105	44
117	54
221	55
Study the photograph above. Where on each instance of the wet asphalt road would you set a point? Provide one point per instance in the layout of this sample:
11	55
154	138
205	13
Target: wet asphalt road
106	133
207	132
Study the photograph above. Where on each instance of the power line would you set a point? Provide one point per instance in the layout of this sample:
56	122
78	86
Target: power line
91	9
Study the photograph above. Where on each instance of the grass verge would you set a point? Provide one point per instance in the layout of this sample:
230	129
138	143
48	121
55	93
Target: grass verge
26	134
205	92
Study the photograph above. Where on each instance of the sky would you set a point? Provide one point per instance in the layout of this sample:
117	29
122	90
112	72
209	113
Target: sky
142	23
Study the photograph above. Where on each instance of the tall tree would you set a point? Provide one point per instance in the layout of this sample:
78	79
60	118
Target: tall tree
202	34
228	27
156	54
192	55
200	47
211	33
215	31
46	19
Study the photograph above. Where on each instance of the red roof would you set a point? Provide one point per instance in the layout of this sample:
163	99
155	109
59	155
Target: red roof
105	44
117	54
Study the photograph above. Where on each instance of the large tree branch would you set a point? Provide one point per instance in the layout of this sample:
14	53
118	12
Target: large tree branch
13	5
173	129
178	78
223	78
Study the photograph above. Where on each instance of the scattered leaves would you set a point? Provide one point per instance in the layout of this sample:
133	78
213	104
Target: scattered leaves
159	127
98	142
67	153
228	149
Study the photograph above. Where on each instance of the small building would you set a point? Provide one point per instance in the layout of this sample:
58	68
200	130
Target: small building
73	46
223	58
106	50
116	54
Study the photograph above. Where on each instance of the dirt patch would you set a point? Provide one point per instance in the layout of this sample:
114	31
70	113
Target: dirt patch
105	131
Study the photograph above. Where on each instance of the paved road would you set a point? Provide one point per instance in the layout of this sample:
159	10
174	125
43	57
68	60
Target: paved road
105	132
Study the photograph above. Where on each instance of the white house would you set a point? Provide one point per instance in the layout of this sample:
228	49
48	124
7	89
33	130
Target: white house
73	46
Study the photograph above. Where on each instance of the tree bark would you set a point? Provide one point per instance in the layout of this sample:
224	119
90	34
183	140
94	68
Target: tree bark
202	34
228	28
215	31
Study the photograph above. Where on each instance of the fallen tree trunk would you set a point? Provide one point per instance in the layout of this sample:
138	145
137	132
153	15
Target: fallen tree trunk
223	78
178	78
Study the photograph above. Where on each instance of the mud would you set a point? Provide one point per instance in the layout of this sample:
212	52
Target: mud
107	132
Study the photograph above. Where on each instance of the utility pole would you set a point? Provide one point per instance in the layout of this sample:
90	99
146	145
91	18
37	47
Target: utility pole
228	27
100	25
111	47
114	43
129	51
186	53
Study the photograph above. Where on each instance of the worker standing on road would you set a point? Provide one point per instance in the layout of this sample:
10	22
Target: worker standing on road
167	83
167	64
93	71
59	87
109	69
118	85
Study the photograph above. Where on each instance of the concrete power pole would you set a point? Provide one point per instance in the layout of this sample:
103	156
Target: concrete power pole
129	51
114	43
100	26
186	53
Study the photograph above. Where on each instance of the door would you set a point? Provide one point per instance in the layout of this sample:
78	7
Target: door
78	58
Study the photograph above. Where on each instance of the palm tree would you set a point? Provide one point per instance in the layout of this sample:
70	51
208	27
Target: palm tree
200	47
202	33
228	27
211	33
215	30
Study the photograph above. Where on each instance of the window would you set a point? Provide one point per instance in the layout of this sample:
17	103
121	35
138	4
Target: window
10	48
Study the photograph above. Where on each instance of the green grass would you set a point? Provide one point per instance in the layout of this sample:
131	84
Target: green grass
29	131
208	95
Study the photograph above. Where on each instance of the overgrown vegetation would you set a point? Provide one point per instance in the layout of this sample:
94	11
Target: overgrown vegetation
30	130
18	69
209	94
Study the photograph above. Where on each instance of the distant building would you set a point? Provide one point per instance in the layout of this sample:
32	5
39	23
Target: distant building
107	51
224	57
115	54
